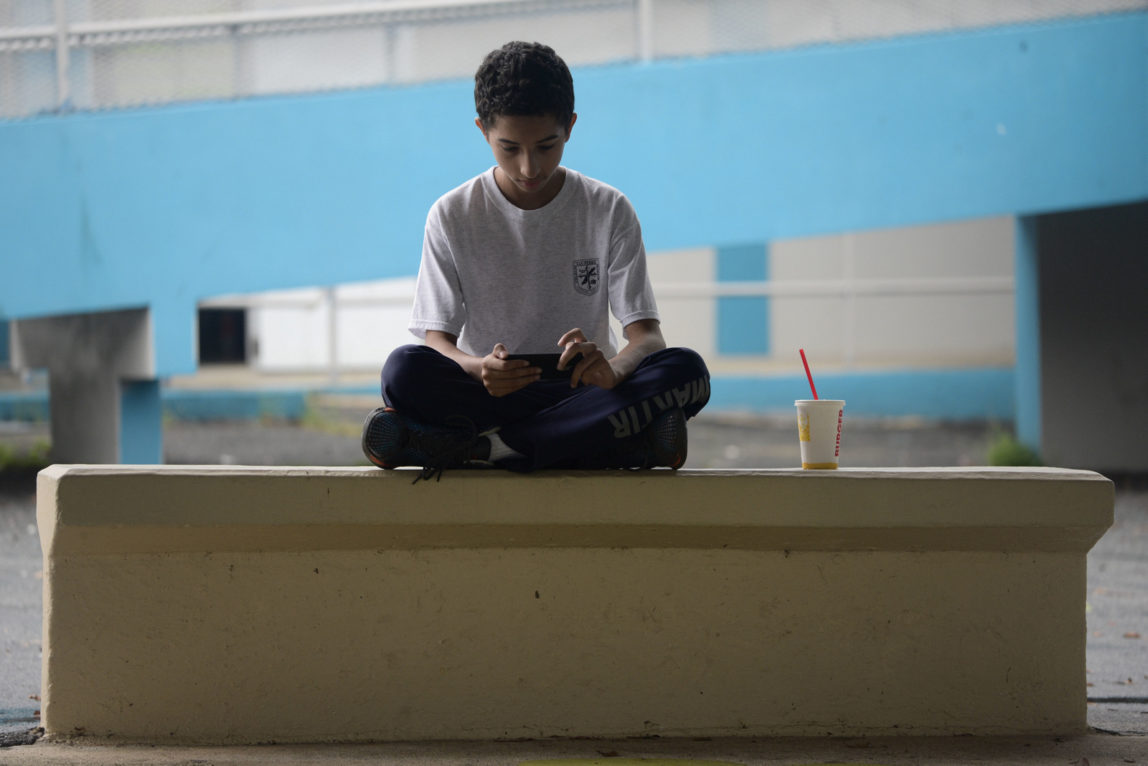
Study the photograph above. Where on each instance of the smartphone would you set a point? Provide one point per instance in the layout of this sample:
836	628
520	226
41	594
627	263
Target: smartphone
549	364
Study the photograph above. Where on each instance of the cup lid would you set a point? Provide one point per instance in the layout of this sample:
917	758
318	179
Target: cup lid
819	402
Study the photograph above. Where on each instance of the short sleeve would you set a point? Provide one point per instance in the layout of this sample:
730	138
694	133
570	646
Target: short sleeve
631	295
439	302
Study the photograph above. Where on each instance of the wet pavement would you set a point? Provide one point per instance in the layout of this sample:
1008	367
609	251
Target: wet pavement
1117	601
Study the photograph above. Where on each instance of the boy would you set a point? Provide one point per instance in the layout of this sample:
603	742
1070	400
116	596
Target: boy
528	258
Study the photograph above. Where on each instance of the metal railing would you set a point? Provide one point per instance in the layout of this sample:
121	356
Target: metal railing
791	288
847	289
68	38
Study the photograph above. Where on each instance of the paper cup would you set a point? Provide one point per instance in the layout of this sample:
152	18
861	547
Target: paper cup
819	431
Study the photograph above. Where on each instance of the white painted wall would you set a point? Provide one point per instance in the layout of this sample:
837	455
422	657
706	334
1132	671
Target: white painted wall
689	322
915	330
290	333
934	330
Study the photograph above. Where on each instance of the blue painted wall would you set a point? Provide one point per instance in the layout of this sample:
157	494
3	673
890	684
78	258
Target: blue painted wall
1029	416
162	207
743	321
967	394
141	422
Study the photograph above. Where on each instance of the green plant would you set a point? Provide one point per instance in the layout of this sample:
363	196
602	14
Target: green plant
315	418
30	460
1006	450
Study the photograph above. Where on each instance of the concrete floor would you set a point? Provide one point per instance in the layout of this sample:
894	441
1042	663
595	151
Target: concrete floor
1090	750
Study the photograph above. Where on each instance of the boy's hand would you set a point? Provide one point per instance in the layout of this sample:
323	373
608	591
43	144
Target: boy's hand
502	376
594	368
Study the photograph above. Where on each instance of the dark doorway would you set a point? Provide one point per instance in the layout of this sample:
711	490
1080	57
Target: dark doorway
223	336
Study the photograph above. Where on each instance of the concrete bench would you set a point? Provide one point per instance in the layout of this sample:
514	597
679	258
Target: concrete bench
242	605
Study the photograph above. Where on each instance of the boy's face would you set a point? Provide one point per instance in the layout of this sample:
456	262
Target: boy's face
528	150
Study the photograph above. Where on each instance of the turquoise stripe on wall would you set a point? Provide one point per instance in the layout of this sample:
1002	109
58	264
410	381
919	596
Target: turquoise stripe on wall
181	404
743	321
290	404
959	394
24	406
972	394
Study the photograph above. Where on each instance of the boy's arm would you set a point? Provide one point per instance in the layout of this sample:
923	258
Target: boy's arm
499	375
643	337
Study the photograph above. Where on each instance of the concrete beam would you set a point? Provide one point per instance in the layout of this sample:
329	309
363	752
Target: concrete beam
241	605
105	398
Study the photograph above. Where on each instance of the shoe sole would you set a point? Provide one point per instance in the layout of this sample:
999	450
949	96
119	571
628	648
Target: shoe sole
367	433
675	457
679	458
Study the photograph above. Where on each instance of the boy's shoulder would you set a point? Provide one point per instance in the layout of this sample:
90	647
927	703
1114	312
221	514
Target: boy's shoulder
592	186
480	191
464	191
602	198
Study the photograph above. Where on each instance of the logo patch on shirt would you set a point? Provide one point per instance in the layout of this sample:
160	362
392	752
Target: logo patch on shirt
586	277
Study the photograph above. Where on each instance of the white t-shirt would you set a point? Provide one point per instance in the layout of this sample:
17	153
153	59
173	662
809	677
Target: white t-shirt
492	272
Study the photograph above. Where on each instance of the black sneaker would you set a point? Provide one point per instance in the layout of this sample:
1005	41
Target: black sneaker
391	440
662	444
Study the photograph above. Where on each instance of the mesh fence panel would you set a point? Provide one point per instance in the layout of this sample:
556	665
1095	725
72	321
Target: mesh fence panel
701	28
27	66
58	55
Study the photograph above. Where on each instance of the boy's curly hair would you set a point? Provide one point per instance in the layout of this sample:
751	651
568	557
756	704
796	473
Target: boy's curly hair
523	79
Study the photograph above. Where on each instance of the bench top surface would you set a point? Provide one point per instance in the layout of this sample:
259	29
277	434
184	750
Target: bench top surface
132	508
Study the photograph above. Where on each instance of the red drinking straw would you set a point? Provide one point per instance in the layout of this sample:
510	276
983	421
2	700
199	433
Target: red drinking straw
808	374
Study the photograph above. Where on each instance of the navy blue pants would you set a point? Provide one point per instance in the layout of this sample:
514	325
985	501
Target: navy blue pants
551	424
